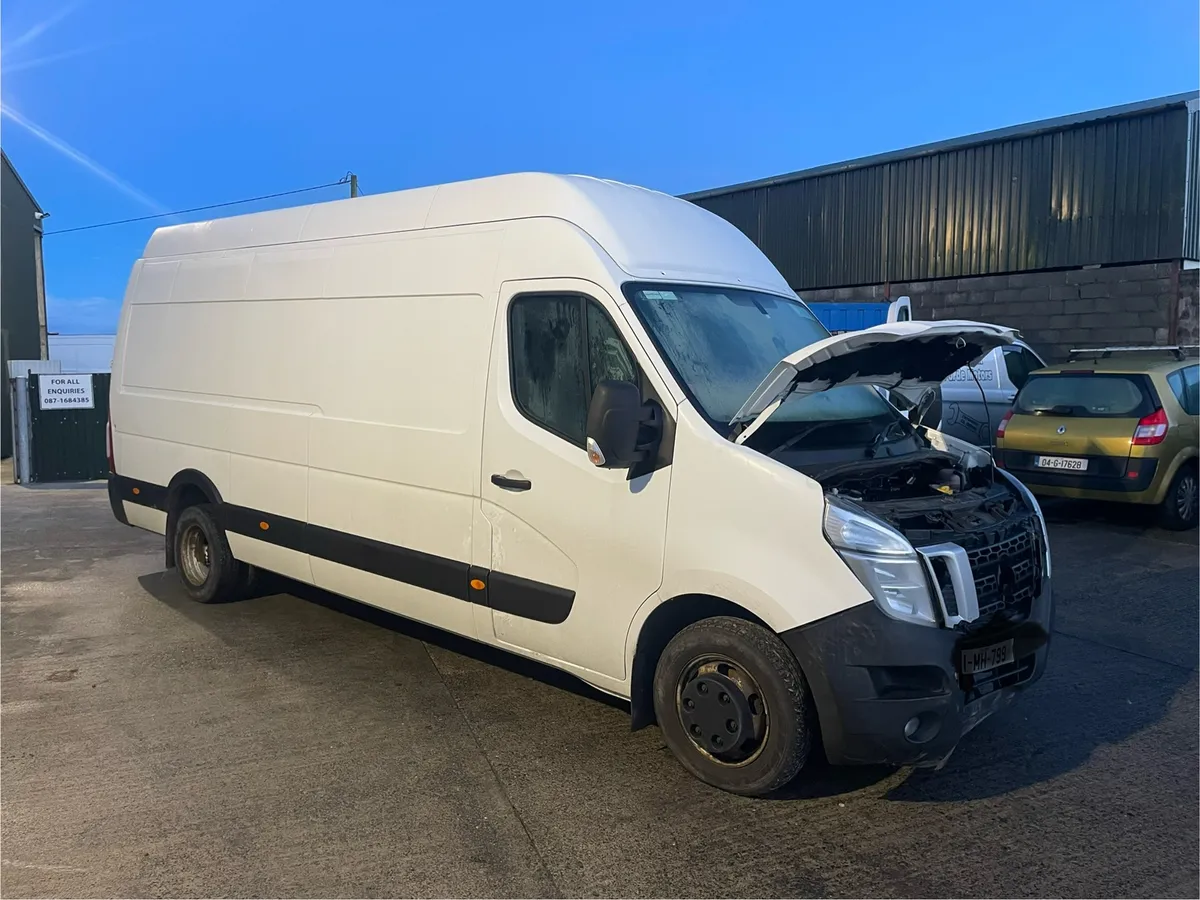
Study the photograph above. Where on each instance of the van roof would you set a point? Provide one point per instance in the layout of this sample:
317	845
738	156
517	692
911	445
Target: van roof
648	234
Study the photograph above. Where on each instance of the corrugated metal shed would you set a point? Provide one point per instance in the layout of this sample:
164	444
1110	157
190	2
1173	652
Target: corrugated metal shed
22	285
1097	188
1191	211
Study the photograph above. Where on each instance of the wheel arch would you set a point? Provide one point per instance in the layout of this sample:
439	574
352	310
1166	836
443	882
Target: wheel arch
189	487
664	622
1186	457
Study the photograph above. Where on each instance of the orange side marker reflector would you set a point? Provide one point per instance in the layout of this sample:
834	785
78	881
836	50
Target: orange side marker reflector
263	525
477	585
137	490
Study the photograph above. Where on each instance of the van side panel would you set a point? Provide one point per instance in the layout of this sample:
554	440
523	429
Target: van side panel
217	384
337	384
395	455
394	451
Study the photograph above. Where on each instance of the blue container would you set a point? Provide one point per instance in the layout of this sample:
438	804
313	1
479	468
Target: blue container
839	317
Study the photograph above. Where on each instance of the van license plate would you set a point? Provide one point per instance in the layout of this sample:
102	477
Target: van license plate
981	659
1062	462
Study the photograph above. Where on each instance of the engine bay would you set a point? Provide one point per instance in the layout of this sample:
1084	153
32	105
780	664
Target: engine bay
930	496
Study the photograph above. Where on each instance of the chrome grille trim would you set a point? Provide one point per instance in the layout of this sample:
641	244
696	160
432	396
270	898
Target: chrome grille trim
965	605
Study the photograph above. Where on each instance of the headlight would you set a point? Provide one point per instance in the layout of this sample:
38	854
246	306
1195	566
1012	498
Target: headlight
849	529
883	560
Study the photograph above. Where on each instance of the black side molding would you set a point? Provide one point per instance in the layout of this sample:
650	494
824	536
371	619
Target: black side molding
529	599
423	570
141	493
449	577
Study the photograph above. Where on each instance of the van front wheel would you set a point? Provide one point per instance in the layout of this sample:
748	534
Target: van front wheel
207	568
733	705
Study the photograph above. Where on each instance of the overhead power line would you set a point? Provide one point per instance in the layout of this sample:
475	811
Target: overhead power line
194	209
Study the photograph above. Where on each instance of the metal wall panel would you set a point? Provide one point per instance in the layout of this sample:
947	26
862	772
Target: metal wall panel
1105	191
69	444
21	338
1191	208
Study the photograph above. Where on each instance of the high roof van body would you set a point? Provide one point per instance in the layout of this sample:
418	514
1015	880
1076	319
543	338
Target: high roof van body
589	424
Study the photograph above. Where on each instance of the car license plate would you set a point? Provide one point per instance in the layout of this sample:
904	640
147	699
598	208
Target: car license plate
981	659
1062	462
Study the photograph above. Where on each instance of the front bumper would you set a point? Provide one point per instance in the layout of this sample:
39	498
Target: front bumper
871	674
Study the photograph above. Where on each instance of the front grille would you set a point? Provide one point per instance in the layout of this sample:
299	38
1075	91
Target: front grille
1008	675
1008	574
941	573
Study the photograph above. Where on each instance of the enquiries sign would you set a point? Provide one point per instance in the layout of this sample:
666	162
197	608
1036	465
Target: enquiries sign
65	392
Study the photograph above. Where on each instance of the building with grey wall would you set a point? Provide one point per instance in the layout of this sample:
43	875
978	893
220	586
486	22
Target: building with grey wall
22	283
1079	230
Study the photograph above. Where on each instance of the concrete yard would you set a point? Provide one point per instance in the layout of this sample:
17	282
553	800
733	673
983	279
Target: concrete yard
304	745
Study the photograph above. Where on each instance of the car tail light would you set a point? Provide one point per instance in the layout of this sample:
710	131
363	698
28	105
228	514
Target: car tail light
1003	426
1151	429
108	447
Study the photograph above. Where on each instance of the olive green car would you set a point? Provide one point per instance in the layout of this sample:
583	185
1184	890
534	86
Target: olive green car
1112	424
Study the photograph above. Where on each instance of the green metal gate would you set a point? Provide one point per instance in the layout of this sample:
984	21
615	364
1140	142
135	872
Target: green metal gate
68	440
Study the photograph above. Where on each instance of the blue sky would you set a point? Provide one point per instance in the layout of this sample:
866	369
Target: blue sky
121	108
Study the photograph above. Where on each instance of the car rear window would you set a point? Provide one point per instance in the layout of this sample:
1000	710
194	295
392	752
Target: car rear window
1086	394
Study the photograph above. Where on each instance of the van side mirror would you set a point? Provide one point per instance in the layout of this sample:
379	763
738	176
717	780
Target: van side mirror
615	417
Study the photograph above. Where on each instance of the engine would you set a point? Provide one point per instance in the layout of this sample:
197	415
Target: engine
930	497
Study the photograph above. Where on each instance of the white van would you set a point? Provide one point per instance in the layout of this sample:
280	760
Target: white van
975	398
590	424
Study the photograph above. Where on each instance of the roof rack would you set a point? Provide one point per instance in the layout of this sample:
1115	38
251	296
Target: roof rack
1179	351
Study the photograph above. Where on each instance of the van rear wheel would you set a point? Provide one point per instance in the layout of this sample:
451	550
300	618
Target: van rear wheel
207	568
733	706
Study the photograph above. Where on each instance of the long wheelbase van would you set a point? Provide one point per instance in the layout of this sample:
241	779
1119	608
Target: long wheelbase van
592	425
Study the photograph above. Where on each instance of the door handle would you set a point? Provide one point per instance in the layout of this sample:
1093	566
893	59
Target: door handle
512	484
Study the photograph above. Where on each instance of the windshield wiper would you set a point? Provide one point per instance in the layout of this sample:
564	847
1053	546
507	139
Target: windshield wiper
805	432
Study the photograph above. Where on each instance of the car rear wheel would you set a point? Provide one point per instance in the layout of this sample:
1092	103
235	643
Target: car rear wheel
733	706
1181	506
207	568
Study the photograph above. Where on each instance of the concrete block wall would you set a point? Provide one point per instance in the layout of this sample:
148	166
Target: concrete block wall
1187	319
1151	303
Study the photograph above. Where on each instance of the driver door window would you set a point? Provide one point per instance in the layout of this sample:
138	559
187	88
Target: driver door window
561	347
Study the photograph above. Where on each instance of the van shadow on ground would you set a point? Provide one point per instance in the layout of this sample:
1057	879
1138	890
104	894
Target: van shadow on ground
163	586
1082	704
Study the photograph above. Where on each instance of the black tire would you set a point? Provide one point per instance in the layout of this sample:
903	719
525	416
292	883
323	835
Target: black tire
1181	507
219	578
771	752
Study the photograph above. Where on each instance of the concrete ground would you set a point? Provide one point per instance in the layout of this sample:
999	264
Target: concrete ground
305	746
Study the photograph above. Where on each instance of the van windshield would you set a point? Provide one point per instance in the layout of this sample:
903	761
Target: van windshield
721	342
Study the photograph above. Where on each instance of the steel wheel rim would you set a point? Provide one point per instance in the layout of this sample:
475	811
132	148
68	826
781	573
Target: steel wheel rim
746	743
1185	498
194	556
